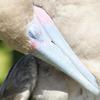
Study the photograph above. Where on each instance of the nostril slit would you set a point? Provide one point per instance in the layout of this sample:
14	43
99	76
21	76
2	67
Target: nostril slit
53	42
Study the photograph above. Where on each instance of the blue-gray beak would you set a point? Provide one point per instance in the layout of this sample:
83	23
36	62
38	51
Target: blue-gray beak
51	47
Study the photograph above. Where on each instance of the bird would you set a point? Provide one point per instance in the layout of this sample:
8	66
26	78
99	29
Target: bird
52	31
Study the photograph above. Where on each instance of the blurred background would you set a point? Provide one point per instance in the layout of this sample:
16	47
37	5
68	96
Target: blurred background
7	59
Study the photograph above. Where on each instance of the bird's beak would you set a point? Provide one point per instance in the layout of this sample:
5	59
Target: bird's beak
51	47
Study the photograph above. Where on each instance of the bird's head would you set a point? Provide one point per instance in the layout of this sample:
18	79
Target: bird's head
29	29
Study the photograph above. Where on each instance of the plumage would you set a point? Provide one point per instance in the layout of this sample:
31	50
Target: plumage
14	18
78	21
21	80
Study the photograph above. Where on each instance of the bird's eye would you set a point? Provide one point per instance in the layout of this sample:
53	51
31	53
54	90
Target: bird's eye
34	32
34	36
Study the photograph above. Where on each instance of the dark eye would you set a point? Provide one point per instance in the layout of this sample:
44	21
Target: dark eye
34	32
34	36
